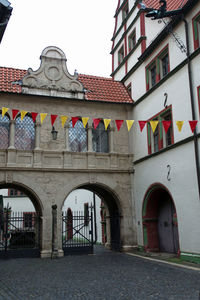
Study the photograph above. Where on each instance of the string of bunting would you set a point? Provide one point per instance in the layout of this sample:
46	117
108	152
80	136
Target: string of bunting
96	121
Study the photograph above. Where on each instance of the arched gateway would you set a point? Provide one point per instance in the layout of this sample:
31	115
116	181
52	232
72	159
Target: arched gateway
160	225
61	147
21	230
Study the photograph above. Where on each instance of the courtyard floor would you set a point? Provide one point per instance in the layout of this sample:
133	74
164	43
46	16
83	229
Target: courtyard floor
105	275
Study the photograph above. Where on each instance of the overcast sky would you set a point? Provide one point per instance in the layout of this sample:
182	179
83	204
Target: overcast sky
81	28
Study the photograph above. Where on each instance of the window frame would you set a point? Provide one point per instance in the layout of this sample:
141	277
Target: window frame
121	55
74	128
129	89
6	127
156	62
196	30
162	136
32	141
105	131
125	11
132	40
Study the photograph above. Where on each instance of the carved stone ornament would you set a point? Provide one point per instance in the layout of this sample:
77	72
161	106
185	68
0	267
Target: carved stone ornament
9	177
52	76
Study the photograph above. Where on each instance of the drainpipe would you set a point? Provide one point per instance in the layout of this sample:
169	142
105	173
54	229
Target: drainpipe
196	146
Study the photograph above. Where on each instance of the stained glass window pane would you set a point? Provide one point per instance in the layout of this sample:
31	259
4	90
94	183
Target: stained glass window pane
100	139
24	133
77	137
4	132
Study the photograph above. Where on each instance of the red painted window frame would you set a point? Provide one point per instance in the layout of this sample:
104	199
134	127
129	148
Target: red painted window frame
156	60
196	34
160	127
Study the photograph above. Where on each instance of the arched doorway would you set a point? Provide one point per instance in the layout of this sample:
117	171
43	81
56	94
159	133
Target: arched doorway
20	222
160	225
102	207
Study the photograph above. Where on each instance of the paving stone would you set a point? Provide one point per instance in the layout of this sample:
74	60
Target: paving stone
104	276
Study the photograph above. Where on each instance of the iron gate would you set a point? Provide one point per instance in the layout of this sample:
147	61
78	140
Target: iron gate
77	233
19	234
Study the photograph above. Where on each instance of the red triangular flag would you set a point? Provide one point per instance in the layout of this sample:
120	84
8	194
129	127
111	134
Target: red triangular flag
119	124
34	116
96	122
53	118
193	125
14	113
166	125
142	124
74	120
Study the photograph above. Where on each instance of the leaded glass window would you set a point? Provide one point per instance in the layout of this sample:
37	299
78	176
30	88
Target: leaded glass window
100	139
77	137
24	133
4	131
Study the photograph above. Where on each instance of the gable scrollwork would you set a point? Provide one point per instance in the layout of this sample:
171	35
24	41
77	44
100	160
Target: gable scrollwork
52	75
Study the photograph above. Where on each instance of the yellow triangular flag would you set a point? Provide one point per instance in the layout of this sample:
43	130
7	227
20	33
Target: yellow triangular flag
85	120
106	123
154	125
129	124
179	124
4	111
42	117
63	120
23	113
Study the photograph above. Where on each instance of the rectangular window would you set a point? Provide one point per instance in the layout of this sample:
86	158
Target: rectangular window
196	30
124	11
120	55
131	40
129	89
158	68
29	219
160	139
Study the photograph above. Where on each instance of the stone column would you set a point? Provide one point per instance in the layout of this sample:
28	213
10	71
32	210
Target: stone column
111	139
66	136
89	130
54	232
37	136
12	135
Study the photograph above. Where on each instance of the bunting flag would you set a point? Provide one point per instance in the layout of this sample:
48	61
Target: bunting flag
14	113
23	113
96	122
106	123
74	120
85	120
166	125
179	125
4	111
53	118
119	124
193	125
34	116
142	124
129	124
42	117
153	124
63	120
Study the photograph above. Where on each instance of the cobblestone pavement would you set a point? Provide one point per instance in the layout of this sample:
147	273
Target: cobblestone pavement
104	276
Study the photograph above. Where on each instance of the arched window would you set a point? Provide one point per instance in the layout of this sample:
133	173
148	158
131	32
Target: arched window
24	133
100	138
4	131
77	137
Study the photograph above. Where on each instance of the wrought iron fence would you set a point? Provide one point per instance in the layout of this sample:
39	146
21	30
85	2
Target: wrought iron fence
19	234
77	233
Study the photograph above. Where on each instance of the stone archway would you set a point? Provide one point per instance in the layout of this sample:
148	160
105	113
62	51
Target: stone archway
160	225
112	214
21	231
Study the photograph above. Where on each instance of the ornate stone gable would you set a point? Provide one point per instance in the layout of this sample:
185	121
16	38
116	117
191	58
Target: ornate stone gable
52	78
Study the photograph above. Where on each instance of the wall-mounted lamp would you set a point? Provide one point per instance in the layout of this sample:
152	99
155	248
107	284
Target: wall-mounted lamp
54	133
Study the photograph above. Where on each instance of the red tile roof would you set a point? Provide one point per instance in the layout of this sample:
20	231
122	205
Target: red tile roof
171	4
97	88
